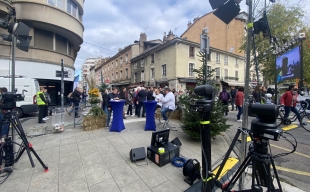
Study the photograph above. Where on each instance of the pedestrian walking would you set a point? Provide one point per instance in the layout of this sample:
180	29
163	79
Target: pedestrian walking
233	92
239	103
224	97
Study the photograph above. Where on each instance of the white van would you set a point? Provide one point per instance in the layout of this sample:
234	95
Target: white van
27	86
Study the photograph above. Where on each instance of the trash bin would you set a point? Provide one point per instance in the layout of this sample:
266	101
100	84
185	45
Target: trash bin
58	121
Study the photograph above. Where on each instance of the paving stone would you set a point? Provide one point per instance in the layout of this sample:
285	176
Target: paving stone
92	158
167	186
79	185
137	186
151	176
124	175
113	159
108	185
97	173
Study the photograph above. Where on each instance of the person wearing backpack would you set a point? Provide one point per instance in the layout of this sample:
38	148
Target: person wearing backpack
224	97
233	92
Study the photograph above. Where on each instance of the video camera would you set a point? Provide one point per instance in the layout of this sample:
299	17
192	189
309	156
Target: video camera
265	126
8	100
205	104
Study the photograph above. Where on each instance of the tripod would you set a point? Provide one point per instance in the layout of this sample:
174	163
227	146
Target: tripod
11	120
260	160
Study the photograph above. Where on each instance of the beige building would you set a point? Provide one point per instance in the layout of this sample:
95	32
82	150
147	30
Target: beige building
57	33
117	69
172	63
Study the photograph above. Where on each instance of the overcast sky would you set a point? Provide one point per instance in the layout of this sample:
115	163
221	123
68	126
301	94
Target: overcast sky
113	24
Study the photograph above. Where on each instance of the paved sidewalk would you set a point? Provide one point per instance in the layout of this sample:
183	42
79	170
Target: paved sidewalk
99	161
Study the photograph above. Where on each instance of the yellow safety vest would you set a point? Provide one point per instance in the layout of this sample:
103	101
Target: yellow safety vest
39	100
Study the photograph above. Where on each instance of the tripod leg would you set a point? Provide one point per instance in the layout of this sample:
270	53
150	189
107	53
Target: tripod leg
39	159
276	174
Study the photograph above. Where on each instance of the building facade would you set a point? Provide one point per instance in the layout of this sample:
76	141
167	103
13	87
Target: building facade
57	33
172	64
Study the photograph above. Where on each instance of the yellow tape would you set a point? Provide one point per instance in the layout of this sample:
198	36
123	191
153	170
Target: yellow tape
204	122
250	25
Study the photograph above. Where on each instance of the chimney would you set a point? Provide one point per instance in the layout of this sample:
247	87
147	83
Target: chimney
170	36
120	49
189	24
165	38
143	37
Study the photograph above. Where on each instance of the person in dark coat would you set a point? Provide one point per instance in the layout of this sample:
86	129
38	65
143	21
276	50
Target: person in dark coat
141	96
112	96
76	98
150	94
105	101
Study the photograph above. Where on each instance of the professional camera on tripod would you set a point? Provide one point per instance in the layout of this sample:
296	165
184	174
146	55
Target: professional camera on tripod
10	122
263	129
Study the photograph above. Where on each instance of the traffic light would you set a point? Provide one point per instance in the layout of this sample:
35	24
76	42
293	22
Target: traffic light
225	12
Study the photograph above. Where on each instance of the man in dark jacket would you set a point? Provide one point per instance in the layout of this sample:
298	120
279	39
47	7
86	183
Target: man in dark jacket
123	95
233	93
141	96
76	98
112	96
150	94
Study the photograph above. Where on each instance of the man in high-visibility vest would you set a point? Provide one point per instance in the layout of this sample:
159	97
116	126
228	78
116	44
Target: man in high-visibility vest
41	102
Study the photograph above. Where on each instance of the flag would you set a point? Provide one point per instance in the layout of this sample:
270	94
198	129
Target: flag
76	81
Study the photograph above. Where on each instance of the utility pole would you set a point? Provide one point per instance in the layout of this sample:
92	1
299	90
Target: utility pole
246	90
62	91
205	48
13	64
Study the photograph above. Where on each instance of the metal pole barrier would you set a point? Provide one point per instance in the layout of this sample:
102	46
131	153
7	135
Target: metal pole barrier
62	92
302	87
275	80
13	63
246	91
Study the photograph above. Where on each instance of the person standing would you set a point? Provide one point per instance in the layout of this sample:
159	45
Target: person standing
76	98
84	96
233	92
48	102
129	102
257	95
41	102
122	95
224	97
289	101
105	101
135	100
150	94
112	96
239	103
141	97
168	103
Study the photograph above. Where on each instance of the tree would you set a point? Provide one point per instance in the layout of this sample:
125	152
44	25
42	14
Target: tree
191	118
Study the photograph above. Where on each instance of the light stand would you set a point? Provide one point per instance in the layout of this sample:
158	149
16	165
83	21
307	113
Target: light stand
205	107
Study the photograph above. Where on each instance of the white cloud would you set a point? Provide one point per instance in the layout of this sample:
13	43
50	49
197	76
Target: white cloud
113	24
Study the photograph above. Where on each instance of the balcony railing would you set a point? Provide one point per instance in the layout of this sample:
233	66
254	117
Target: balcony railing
8	1
232	78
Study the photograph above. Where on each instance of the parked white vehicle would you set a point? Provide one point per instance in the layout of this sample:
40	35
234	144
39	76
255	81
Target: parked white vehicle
27	87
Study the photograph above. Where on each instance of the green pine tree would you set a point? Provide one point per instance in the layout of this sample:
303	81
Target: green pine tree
191	118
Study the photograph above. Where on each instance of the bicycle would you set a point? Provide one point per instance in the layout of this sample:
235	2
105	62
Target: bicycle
292	116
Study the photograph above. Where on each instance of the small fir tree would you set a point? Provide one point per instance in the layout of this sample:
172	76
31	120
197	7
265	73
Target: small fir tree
191	118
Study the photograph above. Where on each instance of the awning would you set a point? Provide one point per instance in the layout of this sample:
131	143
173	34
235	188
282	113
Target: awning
233	83
136	85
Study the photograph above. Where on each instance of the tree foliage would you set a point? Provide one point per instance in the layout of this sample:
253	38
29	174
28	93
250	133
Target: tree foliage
191	118
285	21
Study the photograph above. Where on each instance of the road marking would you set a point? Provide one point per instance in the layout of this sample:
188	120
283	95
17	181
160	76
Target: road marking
301	154
293	171
289	127
230	163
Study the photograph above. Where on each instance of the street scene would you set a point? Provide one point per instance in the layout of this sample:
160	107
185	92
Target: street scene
154	96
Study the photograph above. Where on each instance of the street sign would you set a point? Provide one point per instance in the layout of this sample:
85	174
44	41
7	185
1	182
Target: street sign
58	74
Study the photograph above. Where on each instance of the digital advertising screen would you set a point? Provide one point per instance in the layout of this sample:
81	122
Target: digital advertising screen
288	65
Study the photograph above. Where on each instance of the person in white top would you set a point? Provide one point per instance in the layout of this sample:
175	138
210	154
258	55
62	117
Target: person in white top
168	103
158	97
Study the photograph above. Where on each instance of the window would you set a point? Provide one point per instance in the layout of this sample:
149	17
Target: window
217	58
126	73
191	68
108	67
152	58
121	61
69	7
116	63
135	78
61	44
218	72
126	58
163	67
226	60
51	2
152	73
116	76
192	51
142	75
61	4
121	75
112	77
135	65
142	63
236	75
209	57
43	39
112	66
236	62
226	73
